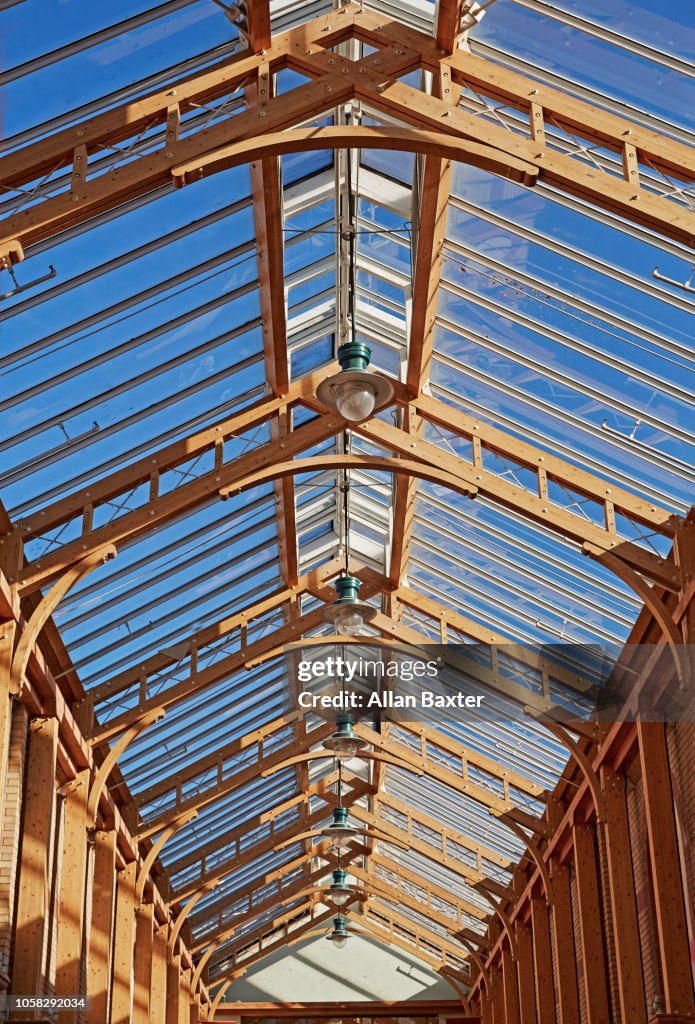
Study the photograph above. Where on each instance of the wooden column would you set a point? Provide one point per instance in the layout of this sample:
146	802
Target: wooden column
542	962
123	946
73	878
563	934
511	989
665	870
144	920
185	997
173	990
99	948
35	861
527	994
158	980
485	1007
622	888
590	925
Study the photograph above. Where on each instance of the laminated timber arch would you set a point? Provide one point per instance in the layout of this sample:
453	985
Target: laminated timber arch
515	973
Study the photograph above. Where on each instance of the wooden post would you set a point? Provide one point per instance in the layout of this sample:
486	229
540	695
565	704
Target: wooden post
144	920
542	962
158	981
665	870
185	997
123	946
72	887
622	889
32	915
527	995
563	934
511	989
173	990
99	948
590	923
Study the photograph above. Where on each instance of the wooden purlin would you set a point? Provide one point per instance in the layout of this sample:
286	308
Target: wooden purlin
569	174
224	868
401	925
536	506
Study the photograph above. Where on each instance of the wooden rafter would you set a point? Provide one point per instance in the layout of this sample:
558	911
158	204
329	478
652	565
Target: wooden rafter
371	83
238	859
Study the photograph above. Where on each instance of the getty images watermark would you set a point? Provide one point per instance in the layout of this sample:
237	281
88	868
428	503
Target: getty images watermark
478	682
348	675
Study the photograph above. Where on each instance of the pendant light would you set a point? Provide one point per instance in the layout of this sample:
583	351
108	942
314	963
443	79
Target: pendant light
339	935
347	614
345	743
339	891
354	392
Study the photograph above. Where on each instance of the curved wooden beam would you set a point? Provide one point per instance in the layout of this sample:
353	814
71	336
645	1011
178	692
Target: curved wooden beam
368	755
404	139
580	757
185	911
446	974
45	608
478	959
652	601
535	852
111	758
157	848
506	923
378	463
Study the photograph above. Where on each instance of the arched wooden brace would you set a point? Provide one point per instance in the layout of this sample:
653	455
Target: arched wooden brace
45	608
409	140
185	911
506	923
368	755
580	757
478	959
535	852
652	601
111	758
446	974
157	848
423	471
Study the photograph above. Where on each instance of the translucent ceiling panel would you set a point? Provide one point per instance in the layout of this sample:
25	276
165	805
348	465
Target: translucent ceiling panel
149	332
74	78
544	44
533	340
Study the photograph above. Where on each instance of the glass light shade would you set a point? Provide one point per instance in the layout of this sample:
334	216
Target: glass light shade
348	620
343	743
355	400
340	897
339	935
339	892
